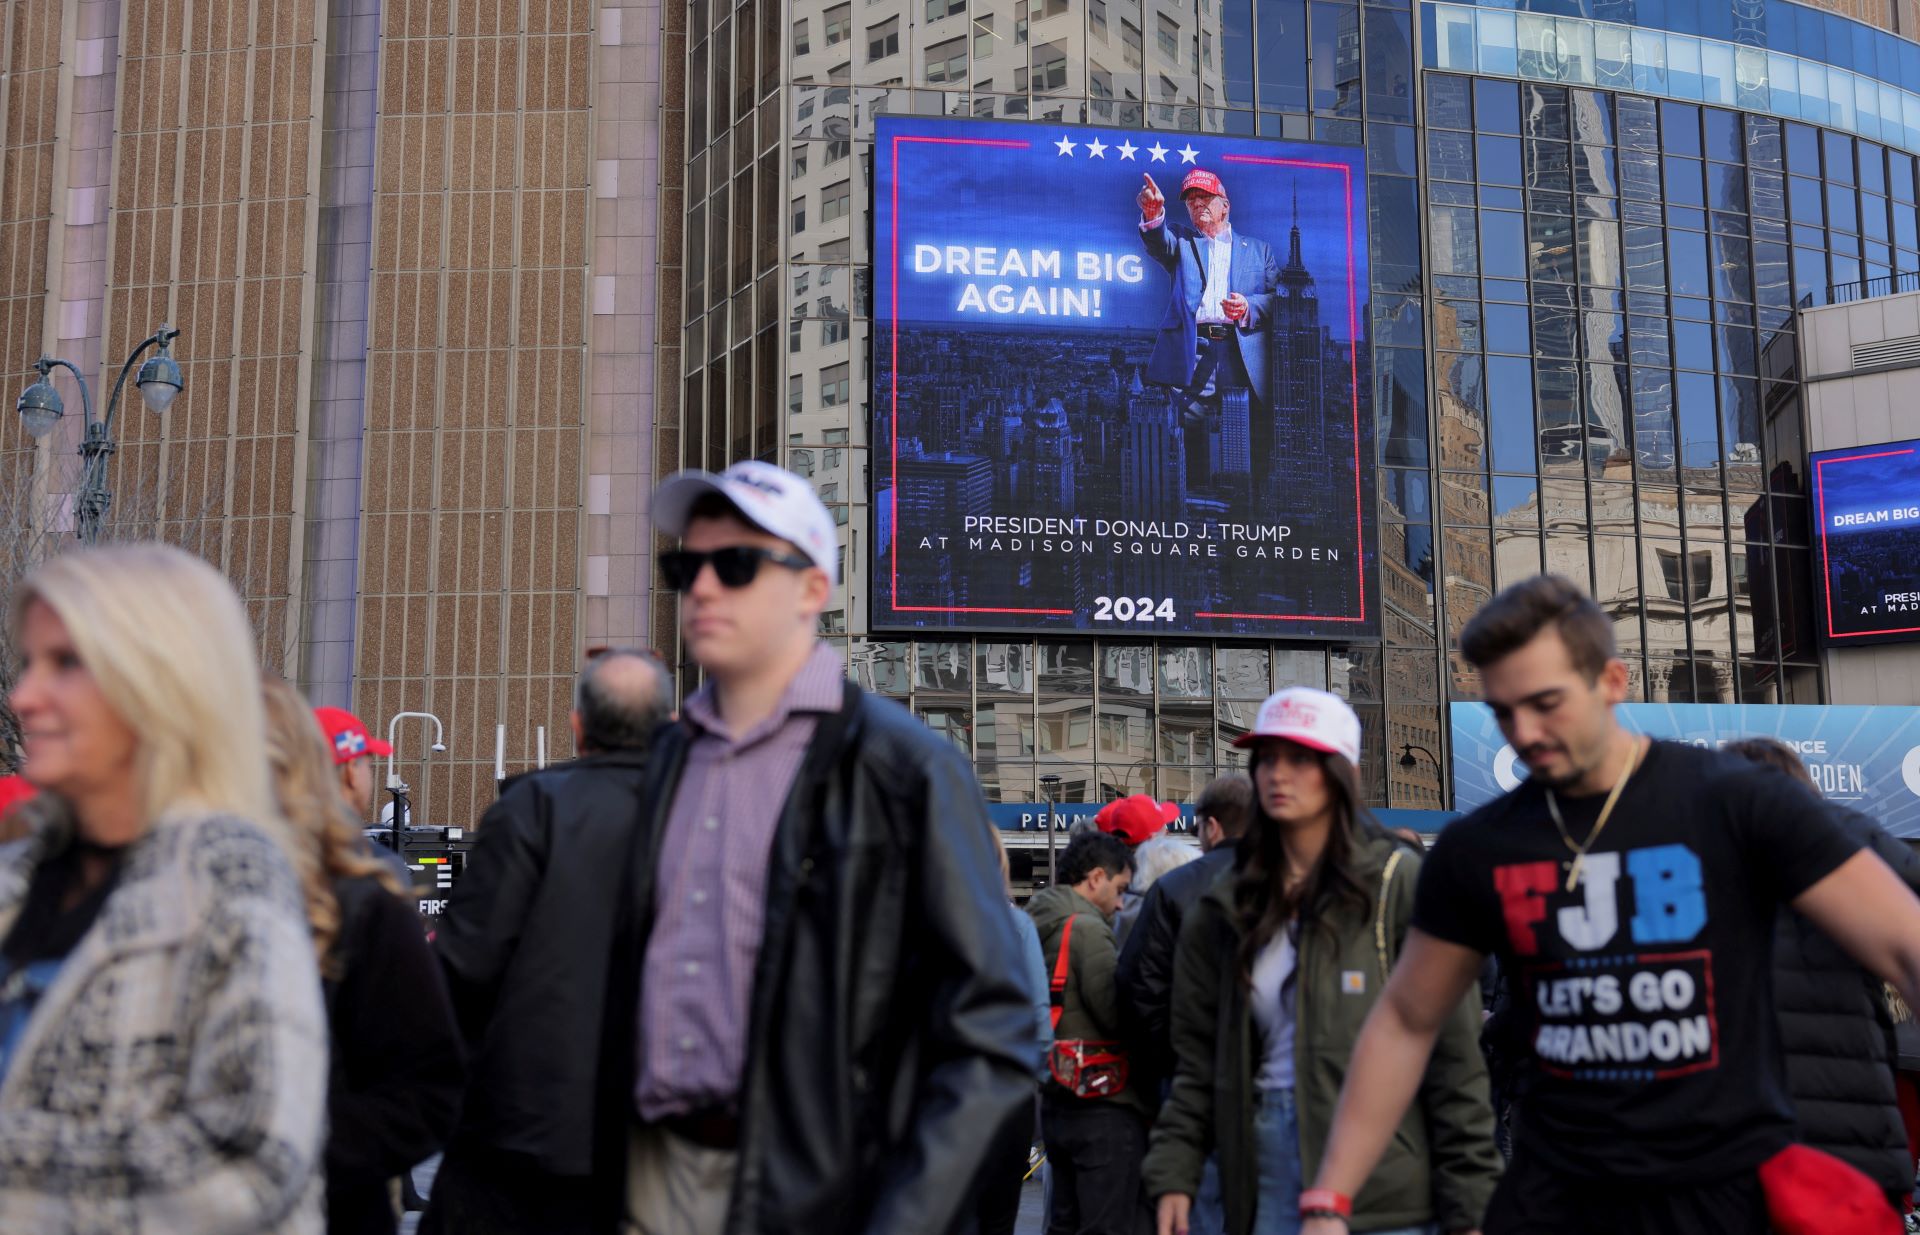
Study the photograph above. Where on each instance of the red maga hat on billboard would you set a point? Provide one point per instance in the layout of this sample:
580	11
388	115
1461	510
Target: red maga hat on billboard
1203	181
1136	818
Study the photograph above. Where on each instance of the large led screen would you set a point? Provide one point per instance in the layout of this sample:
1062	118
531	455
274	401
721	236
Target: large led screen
1104	404
1866	501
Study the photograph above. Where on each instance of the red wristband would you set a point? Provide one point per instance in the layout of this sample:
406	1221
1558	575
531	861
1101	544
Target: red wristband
1325	1201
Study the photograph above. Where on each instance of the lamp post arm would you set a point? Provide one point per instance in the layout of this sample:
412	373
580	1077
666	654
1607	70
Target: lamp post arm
160	338
47	364
90	502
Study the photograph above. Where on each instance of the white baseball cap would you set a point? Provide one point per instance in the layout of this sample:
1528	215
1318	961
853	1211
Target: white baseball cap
773	499
1313	718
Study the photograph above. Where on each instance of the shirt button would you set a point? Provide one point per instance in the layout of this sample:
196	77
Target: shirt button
692	968
699	898
687	1043
710	824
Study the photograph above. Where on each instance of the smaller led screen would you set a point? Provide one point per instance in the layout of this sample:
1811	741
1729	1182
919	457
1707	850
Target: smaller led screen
1867	507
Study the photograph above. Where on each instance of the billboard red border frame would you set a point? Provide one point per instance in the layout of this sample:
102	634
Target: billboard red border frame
1826	562
893	391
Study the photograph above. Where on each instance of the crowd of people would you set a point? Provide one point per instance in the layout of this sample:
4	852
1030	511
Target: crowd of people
755	964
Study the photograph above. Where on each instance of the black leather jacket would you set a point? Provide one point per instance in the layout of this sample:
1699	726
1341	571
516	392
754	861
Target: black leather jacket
889	1034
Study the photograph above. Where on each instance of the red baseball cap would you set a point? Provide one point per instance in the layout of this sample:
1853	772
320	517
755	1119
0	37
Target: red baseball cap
1136	818
348	736
13	791
1810	1193
1204	181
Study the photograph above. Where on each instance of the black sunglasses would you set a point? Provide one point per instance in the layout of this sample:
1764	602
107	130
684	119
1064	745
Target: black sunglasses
734	566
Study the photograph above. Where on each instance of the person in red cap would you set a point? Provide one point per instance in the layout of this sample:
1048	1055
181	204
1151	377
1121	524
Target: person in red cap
1136	818
353	751
1213	337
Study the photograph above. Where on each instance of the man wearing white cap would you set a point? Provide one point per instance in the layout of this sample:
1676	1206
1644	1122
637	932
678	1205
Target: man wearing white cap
822	1017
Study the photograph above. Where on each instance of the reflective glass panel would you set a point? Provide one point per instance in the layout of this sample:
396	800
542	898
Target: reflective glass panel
1510	385
1503	245
1685	184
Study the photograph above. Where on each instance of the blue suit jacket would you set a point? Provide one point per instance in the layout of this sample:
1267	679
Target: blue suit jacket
1254	275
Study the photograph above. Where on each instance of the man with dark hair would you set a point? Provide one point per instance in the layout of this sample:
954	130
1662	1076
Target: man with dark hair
524	943
1094	1143
1145	972
1629	889
1835	1026
818	1006
1516	616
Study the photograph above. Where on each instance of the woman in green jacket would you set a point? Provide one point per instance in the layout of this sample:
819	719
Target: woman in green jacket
1278	965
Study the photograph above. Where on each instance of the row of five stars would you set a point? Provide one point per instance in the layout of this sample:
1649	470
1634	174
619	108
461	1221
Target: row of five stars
1098	149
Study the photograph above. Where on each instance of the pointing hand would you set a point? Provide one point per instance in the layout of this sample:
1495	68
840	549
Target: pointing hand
1151	202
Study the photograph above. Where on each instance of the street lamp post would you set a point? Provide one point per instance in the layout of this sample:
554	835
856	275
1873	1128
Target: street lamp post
403	807
40	409
1049	785
1408	762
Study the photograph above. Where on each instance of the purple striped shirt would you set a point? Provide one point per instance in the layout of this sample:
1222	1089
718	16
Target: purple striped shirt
710	893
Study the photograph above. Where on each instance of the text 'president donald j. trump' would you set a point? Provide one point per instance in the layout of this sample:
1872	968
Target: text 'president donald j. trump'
1213	337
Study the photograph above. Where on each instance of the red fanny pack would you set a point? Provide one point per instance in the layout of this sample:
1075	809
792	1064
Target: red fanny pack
1084	1068
1813	1193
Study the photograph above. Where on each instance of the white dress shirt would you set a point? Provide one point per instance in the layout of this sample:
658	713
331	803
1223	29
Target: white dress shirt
1218	255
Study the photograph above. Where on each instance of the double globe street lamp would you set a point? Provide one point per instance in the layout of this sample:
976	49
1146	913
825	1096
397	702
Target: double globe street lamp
41	408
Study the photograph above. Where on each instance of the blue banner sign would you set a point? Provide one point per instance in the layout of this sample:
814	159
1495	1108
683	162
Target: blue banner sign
1032	816
1865	757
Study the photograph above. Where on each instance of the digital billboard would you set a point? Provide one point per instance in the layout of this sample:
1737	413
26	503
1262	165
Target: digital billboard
1866	502
1120	382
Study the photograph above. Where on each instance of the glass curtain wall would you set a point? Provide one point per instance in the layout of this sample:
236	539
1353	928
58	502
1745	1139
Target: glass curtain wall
1581	338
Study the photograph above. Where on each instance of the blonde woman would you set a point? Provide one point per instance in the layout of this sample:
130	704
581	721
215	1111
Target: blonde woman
163	1054
394	1089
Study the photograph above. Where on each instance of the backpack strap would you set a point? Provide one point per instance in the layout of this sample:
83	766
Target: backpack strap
1057	986
1380	914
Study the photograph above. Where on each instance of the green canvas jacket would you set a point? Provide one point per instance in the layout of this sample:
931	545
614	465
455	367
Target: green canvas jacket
1441	1164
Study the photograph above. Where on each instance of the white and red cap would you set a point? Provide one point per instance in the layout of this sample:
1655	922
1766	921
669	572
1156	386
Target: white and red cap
1201	181
773	499
1313	718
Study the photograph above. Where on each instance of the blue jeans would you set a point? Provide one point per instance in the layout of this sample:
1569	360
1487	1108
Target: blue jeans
1276	1134
1209	1214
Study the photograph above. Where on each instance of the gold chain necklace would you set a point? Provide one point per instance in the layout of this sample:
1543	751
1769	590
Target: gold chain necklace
1606	810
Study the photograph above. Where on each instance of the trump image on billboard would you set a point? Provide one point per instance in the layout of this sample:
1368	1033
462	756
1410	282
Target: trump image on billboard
1120	382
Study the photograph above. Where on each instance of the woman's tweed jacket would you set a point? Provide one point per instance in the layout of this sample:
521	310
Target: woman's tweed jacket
174	1077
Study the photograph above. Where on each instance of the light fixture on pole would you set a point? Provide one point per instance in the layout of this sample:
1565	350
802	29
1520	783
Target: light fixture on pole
403	807
1049	786
41	408
1408	763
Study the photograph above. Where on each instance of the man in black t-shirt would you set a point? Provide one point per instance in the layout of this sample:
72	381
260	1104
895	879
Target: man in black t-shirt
1629	888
